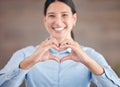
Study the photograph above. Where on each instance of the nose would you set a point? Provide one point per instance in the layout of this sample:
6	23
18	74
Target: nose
58	22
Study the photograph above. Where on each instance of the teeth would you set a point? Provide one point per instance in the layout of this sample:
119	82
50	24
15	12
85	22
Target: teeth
59	29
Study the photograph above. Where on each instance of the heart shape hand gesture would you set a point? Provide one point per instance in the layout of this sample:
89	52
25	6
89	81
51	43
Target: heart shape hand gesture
43	53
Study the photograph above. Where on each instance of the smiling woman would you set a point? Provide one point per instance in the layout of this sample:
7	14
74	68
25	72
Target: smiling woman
58	61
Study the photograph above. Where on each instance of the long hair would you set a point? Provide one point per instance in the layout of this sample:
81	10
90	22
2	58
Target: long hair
72	35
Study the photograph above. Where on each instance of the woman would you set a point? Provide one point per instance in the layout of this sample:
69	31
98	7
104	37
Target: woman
59	61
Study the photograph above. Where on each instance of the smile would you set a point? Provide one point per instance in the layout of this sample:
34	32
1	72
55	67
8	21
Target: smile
59	29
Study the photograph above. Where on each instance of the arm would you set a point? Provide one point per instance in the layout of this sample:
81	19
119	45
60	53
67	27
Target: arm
11	75
109	77
14	72
102	74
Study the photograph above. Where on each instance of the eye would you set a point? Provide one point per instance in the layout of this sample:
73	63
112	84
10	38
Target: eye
52	16
65	15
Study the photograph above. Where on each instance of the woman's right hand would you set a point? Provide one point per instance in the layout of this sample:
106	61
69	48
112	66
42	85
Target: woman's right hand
41	54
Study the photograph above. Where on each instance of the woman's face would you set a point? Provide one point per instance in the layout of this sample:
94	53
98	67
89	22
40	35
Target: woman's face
59	20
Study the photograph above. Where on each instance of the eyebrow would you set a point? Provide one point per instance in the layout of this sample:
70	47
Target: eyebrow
50	13
55	13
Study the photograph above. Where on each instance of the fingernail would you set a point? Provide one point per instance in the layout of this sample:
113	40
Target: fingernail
60	61
59	45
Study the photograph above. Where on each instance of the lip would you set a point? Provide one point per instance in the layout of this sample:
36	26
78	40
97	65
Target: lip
58	29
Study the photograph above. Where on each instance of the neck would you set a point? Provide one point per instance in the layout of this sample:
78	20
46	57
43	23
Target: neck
61	39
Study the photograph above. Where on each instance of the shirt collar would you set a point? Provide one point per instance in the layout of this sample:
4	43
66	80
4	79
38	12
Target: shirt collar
52	50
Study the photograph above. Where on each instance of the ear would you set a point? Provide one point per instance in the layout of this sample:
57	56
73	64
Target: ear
44	20
75	18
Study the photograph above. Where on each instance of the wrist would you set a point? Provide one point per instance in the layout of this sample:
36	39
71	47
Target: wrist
27	63
95	68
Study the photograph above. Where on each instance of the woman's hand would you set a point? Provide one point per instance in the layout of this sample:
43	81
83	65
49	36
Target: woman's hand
78	55
41	54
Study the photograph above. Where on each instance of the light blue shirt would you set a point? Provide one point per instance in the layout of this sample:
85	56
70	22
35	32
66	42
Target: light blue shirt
52	74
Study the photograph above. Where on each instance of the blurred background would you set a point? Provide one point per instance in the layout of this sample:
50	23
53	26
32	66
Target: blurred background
98	26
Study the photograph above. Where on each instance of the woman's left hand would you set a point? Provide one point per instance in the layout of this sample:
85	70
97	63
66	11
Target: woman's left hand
77	54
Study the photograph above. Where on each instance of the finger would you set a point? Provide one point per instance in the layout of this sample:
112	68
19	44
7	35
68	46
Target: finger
49	42
47	45
66	46
65	58
54	42
66	42
52	57
53	46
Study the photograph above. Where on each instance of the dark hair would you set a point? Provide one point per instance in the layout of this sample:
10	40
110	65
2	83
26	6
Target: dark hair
67	2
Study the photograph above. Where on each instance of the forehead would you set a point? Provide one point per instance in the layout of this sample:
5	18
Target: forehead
57	7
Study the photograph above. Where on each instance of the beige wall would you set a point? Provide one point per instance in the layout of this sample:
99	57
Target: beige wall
98	26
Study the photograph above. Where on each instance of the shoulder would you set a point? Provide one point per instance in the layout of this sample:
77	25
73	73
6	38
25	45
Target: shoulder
93	53
26	51
28	48
88	50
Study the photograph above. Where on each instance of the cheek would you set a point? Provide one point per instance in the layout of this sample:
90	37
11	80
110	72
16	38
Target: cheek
48	22
70	21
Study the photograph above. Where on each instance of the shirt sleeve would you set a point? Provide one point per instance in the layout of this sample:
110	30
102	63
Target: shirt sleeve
11	75
109	78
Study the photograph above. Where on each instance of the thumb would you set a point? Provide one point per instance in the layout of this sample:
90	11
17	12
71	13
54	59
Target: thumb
68	57
52	57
